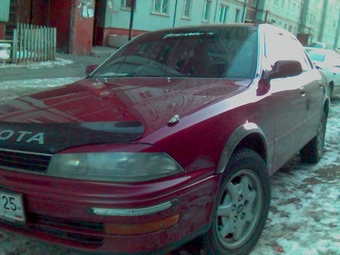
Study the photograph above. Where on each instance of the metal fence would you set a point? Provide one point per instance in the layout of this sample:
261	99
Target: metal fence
33	43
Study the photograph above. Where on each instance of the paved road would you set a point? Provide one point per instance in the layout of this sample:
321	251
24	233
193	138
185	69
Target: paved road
66	65
52	69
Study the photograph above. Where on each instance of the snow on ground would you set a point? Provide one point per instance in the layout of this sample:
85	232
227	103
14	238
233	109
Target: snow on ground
36	65
304	218
12	89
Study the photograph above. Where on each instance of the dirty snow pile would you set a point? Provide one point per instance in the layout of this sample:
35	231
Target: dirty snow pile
36	65
12	89
304	218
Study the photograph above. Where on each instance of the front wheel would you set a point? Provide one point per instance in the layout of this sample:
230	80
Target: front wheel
241	207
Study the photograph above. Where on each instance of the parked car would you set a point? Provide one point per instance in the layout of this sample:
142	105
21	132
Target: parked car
172	138
329	62
319	45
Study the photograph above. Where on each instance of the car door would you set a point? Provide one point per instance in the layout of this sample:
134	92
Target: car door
290	95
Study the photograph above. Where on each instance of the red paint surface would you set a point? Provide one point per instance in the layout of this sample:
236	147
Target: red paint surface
99	37
60	17
24	10
82	31
2	31
40	15
106	32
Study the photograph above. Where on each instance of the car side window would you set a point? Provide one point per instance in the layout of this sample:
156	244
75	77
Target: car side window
281	46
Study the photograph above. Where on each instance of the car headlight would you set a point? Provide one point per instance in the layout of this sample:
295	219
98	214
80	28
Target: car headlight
113	166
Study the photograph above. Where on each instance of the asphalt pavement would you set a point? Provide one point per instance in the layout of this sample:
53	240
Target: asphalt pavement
65	65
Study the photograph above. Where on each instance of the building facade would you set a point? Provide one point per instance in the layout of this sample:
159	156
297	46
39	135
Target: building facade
311	20
82	24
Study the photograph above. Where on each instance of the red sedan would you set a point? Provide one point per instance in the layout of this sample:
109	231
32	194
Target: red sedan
173	137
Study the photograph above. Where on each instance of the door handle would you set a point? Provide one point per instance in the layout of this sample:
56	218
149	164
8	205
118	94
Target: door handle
302	91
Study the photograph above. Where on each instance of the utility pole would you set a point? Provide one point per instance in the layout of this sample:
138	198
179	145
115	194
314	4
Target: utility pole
324	18
133	4
244	11
175	14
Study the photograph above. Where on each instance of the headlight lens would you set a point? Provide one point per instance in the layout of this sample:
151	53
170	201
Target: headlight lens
113	166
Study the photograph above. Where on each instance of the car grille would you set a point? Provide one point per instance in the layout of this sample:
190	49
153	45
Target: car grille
80	232
51	222
21	160
75	233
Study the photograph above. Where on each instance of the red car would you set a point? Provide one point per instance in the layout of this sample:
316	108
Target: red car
173	137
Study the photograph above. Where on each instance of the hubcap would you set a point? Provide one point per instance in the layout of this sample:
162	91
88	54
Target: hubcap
239	209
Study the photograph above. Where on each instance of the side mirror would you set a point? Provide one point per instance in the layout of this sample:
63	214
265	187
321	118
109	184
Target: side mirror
284	68
90	68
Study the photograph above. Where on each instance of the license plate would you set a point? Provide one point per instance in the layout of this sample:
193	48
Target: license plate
11	207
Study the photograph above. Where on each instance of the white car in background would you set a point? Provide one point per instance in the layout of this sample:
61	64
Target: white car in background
329	62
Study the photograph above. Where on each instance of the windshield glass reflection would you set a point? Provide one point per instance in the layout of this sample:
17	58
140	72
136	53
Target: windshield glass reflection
210	52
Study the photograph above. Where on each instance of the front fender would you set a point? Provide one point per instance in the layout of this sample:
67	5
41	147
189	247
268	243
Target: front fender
236	139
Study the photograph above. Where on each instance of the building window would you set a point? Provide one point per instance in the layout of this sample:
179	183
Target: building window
126	4
290	28
276	3
254	3
222	16
206	10
237	15
161	6
145	94
187	8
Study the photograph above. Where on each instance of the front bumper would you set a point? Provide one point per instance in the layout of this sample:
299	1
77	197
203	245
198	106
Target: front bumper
93	216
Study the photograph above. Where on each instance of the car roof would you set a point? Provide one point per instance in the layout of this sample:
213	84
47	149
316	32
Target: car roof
214	27
209	26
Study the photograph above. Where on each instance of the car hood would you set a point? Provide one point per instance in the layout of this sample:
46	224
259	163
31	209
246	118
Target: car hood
104	111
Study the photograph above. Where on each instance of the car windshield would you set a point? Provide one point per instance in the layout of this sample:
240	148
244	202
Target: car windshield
217	52
316	56
328	57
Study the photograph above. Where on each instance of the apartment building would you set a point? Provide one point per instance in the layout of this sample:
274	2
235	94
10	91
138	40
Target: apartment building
151	15
329	31
86	23
311	20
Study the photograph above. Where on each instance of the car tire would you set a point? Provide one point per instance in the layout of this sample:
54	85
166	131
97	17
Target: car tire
331	88
314	149
241	207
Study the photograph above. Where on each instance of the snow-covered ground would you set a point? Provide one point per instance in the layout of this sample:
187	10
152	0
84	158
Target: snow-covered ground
304	218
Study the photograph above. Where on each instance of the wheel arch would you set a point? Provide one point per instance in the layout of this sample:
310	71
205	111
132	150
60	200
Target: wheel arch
249	135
